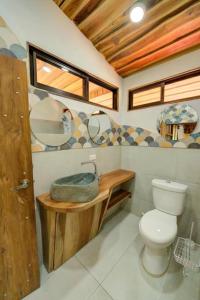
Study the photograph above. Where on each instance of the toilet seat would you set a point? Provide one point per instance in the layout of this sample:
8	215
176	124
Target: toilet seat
159	227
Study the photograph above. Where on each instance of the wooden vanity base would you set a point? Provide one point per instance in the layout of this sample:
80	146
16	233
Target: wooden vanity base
67	227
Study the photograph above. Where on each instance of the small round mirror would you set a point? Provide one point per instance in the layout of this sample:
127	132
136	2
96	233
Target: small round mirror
98	126
51	122
176	121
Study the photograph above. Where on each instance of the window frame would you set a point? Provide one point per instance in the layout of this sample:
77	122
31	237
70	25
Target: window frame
35	52
161	83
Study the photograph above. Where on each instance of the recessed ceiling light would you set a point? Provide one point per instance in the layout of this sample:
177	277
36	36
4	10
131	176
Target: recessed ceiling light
46	69
137	12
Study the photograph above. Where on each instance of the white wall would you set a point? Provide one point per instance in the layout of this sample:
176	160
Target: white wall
180	165
146	117
43	24
47	167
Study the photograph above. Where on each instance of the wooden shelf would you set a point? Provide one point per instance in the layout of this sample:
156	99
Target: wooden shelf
117	197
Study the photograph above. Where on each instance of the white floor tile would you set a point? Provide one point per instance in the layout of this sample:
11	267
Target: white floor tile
100	294
178	287
113	258
44	275
128	280
69	282
102	253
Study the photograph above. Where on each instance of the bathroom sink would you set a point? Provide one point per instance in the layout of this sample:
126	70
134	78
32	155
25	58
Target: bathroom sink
82	187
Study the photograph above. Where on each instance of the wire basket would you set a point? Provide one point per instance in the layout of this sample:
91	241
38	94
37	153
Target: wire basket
187	252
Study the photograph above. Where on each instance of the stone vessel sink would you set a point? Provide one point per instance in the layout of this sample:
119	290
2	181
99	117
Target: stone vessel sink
82	187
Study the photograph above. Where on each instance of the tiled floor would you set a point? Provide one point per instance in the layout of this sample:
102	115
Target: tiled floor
109	268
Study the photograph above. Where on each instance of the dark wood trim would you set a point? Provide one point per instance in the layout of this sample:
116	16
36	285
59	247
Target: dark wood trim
35	52
146	87
58	92
68	95
162	96
146	105
163	103
162	83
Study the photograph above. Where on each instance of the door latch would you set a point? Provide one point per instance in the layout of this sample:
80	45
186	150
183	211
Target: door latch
24	184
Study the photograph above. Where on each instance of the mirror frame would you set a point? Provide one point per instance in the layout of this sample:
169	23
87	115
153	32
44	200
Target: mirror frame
93	138
65	109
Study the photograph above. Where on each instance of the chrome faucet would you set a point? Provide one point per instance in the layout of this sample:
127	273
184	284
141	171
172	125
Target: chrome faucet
94	164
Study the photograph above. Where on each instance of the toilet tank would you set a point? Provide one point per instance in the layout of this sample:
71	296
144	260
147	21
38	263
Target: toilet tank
169	196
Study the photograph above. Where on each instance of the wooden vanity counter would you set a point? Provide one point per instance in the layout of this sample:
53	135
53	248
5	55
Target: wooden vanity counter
107	183
68	226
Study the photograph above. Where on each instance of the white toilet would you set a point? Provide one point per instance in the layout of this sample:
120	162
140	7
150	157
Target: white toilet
158	227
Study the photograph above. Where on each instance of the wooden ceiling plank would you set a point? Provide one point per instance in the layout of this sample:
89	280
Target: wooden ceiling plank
116	25
63	80
64	4
85	11
183	44
103	17
131	32
98	92
119	23
101	98
72	7
167	32
59	2
76	85
47	77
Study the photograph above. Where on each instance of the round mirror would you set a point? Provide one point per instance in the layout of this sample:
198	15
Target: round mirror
98	126
176	121
51	122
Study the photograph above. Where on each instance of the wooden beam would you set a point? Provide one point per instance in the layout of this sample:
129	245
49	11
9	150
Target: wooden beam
169	31
183	44
103	17
131	32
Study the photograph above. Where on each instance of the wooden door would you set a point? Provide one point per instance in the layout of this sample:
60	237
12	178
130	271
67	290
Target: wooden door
19	269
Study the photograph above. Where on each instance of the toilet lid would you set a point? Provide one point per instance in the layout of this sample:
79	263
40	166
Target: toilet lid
158	226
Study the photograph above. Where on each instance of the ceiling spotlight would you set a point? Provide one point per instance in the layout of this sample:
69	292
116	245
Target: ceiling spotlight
46	69
137	12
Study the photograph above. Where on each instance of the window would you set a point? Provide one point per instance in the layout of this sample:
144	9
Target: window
182	87
99	94
58	77
147	96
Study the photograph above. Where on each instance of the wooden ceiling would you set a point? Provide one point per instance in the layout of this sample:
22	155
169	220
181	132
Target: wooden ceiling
169	27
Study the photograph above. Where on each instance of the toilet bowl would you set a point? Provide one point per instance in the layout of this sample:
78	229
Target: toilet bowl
158	231
158	227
